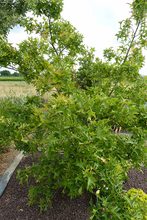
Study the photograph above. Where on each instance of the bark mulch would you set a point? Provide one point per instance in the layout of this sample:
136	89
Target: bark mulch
13	203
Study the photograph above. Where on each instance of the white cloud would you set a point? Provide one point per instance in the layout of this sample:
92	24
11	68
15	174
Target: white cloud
17	35
98	21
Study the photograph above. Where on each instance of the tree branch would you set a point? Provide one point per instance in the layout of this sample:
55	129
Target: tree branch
133	38
127	53
51	42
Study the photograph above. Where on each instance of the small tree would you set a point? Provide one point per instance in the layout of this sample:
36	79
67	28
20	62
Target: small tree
73	130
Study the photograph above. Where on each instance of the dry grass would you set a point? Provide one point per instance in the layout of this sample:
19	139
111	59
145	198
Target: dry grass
15	89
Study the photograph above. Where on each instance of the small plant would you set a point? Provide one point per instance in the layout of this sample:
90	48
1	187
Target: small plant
127	206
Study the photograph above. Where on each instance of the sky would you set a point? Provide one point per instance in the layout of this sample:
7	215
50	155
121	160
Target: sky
97	20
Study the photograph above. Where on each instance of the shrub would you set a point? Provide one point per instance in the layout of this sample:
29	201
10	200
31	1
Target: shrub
131	205
78	149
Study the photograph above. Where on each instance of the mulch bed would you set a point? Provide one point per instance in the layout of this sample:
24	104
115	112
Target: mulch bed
13	203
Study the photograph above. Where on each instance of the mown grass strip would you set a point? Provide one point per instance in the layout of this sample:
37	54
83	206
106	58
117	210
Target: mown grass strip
11	79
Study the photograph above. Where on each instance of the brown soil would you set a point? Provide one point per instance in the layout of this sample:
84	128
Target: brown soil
6	159
13	203
137	179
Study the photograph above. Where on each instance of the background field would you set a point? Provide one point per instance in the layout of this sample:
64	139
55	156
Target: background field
15	89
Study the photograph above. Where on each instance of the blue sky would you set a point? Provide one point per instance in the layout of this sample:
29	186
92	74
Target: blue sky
97	20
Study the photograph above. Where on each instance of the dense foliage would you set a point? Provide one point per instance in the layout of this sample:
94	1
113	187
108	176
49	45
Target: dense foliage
73	130
7	109
10	12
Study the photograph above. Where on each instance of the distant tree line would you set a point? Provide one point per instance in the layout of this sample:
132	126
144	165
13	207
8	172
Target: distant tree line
7	73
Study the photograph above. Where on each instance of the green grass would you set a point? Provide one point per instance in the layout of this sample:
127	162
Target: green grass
10	78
